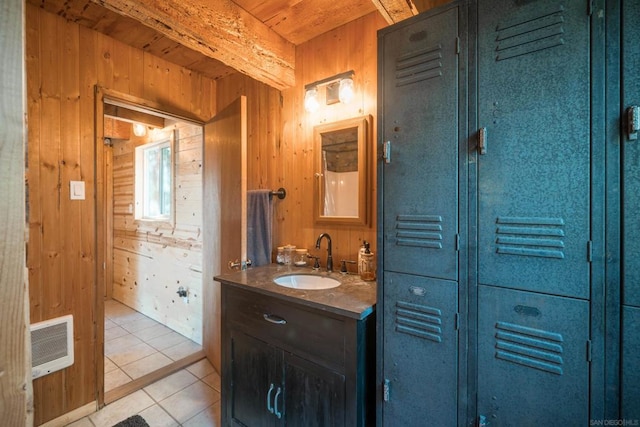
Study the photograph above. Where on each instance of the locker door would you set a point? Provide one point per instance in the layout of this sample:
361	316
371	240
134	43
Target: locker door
630	396
532	358
420	351
534	226
534	181
419	94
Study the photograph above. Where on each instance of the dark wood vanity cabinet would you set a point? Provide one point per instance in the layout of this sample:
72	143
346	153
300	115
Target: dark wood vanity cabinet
284	363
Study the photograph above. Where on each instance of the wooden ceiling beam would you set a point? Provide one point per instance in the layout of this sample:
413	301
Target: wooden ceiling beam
395	10
220	30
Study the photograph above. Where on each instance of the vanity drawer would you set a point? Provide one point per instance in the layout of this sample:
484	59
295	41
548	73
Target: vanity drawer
317	336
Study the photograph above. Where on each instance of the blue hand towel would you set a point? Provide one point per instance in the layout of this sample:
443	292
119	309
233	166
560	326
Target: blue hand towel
259	213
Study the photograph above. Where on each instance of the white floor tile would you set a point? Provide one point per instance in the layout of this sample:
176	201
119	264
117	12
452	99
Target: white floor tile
115	379
153	332
166	341
132	354
190	401
113	333
155	416
210	417
139	324
109	365
172	384
147	364
182	350
213	380
120	344
201	368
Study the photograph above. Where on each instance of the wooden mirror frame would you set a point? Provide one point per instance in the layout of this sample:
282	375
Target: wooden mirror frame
363	125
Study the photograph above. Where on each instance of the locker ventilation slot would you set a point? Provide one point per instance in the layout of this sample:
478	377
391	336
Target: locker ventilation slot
420	65
423	231
529	347
538	237
51	345
419	320
530	35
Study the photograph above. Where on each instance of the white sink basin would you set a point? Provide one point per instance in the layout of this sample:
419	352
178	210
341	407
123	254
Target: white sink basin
306	281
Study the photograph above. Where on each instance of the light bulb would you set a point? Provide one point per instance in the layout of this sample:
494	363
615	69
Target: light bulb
139	129
346	90
311	103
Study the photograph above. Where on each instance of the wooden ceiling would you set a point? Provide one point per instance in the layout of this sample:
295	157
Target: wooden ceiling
220	37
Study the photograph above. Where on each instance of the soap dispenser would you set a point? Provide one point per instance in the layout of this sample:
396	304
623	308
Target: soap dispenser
366	263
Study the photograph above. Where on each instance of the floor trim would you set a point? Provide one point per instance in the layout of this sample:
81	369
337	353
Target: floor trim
72	416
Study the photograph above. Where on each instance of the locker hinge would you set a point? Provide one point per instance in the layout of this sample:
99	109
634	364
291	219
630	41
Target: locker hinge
590	7
589	251
457	242
386	151
457	45
589	351
386	390
457	321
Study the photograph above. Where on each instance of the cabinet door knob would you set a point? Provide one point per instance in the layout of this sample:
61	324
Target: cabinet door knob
269	408
275	403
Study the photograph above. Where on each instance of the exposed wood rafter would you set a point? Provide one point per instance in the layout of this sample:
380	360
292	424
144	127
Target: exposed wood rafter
395	10
220	30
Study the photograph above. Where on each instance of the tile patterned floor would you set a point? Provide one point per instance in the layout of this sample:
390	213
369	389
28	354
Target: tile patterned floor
187	398
136	345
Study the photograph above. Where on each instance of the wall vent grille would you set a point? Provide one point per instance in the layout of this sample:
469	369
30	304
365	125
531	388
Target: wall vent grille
51	345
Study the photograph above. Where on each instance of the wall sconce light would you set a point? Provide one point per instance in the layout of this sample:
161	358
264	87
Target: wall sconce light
340	88
139	129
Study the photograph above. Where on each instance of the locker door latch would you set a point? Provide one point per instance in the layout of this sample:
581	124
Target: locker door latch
482	141
386	151
633	122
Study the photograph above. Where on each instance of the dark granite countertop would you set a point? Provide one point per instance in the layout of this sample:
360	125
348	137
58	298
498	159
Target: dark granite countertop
354	298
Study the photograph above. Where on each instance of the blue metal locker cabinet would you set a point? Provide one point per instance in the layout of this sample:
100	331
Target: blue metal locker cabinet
534	184
419	101
630	316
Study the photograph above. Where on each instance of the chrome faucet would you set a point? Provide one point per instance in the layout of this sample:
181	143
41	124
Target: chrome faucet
329	257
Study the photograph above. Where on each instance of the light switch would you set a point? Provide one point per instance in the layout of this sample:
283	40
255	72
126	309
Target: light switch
76	190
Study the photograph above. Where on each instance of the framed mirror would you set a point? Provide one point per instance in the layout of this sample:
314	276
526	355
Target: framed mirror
341	161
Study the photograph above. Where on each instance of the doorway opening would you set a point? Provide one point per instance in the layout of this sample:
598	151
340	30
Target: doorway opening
153	305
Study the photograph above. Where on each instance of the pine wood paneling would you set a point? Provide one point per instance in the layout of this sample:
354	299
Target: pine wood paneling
64	63
280	145
350	47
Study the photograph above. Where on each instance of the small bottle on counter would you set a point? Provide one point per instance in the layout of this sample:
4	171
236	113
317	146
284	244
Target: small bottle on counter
360	256
366	263
280	255
300	259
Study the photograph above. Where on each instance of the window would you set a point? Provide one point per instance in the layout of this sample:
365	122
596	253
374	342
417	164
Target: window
154	181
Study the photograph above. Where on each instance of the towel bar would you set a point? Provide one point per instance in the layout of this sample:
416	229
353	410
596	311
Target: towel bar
280	192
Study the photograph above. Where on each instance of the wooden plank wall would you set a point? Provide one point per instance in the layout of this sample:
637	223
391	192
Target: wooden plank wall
15	360
151	259
64	63
280	148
